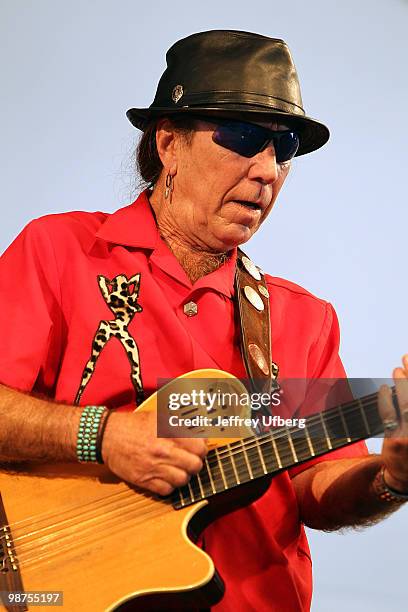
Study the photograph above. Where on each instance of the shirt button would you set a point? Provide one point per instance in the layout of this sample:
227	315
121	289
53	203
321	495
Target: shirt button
190	309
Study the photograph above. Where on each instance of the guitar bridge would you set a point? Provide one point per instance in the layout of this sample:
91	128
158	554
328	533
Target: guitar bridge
7	557
10	576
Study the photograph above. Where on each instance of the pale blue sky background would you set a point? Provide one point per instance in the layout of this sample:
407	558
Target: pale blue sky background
70	70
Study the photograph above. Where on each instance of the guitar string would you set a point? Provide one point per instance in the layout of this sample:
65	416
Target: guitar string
91	530
78	512
72	541
329	417
77	541
332	414
329	413
21	524
230	472
282	433
288	454
251	443
284	430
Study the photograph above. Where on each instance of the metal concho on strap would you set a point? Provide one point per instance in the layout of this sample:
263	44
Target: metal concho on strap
252	304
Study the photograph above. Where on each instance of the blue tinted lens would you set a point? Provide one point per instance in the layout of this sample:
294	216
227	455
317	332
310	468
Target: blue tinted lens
286	145
242	138
248	139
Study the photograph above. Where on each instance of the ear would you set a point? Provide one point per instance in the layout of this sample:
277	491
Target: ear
167	140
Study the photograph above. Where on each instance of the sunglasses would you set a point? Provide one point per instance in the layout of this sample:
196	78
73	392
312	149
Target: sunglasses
248	139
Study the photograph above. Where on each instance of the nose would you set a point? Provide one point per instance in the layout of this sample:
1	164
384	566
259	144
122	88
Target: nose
264	167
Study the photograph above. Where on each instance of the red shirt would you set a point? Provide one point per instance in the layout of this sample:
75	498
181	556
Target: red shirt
52	304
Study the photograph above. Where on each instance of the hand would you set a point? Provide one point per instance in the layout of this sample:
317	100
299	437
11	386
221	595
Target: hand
133	452
395	447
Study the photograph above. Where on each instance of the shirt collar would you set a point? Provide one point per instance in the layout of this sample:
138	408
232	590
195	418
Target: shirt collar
135	226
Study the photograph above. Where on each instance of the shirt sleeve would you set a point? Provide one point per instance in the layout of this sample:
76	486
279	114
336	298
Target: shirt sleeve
30	312
325	363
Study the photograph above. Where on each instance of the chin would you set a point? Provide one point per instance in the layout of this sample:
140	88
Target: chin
236	236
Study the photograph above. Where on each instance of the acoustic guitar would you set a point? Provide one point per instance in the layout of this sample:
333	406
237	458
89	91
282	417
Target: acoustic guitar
74	534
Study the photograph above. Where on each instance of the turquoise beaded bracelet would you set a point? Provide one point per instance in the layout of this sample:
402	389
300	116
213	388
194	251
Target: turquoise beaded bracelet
92	419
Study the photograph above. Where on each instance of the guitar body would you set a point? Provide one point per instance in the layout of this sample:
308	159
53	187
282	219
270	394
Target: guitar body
107	546
103	543
127	547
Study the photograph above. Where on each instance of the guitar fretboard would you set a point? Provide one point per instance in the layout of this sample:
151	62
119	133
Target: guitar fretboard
232	465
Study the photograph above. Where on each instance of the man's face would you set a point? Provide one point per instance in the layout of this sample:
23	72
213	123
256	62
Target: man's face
221	198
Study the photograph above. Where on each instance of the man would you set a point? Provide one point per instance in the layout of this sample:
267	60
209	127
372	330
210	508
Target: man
108	304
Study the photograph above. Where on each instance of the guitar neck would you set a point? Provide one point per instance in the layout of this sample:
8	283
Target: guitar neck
239	462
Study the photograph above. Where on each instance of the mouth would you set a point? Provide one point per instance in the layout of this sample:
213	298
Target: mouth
249	204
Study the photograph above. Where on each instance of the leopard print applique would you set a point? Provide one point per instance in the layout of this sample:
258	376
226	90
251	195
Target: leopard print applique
120	295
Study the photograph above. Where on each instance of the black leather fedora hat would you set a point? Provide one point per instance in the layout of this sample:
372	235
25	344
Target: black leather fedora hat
235	74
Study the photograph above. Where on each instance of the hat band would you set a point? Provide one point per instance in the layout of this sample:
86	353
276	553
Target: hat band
239	97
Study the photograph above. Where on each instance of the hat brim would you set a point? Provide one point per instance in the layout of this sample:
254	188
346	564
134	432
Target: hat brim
313	134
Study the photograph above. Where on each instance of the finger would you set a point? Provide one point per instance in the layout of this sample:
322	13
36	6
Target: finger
185	460
197	446
160	487
171	454
401	386
387	411
174	476
402	372
162	448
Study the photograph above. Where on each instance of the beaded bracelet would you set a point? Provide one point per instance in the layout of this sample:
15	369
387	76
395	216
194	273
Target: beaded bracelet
384	492
101	431
89	442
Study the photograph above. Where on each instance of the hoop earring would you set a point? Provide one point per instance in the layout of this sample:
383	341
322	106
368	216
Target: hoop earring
169	186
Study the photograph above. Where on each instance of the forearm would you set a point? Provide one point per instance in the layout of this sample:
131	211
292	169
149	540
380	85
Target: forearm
33	429
336	494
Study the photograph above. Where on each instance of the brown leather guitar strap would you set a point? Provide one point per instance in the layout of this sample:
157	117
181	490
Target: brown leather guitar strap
253	313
